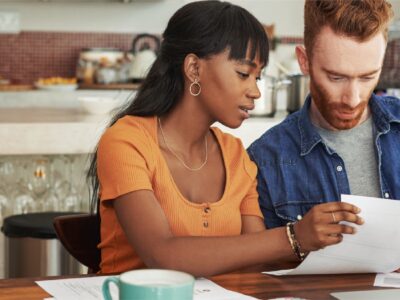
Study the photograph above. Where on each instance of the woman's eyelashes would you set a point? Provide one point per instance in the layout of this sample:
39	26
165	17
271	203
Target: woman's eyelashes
244	75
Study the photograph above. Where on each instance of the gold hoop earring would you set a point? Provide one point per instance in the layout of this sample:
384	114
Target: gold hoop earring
198	87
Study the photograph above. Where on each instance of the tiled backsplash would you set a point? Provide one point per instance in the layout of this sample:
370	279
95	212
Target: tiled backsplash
27	56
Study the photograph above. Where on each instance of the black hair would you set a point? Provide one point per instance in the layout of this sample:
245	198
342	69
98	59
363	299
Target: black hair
204	28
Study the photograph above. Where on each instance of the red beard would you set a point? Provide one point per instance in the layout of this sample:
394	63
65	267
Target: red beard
331	112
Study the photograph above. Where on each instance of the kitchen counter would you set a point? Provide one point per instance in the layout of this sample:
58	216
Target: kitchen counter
69	131
49	131
65	129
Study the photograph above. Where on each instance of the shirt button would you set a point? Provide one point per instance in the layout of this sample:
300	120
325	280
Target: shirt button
299	217
205	224
206	209
339	168
386	195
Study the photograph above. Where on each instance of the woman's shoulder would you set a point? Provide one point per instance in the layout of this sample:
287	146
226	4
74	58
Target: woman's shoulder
228	141
236	154
130	129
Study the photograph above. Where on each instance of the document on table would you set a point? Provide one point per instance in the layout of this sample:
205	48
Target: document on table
388	280
375	248
89	288
388	294
381	280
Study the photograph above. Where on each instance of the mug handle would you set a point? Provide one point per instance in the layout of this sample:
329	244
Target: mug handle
106	286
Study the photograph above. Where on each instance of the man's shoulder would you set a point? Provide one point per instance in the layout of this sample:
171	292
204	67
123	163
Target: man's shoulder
285	128
390	104
277	138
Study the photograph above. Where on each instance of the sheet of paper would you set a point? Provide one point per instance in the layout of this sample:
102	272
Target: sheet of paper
375	248
205	289
279	272
388	280
89	288
77	288
388	294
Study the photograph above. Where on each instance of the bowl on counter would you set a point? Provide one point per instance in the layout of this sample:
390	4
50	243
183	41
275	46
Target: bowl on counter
98	105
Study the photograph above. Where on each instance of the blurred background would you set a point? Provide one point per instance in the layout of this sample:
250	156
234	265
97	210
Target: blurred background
67	65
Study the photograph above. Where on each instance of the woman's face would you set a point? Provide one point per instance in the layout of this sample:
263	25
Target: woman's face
229	88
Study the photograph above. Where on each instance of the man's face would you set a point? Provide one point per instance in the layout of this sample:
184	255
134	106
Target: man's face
343	73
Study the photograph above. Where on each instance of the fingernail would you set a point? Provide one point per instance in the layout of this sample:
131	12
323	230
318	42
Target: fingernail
361	219
358	209
354	230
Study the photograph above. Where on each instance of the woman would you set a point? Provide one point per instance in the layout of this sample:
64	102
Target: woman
175	193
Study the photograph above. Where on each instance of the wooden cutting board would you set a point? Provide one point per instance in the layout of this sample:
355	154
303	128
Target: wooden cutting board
15	87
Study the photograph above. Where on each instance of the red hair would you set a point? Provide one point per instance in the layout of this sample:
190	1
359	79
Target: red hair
358	19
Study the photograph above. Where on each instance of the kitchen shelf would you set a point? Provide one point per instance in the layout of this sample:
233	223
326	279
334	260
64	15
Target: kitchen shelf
112	86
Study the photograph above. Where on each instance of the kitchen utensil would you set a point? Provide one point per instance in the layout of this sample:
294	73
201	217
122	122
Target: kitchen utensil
297	91
91	59
144	48
265	106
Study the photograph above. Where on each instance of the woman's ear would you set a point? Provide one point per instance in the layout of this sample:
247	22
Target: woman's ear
191	67
302	59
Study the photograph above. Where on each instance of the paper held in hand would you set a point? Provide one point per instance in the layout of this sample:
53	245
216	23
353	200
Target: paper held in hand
375	248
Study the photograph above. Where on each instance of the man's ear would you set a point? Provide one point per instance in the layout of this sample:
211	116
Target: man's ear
302	59
191	67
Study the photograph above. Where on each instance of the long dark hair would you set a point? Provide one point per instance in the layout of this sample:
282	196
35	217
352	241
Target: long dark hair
204	28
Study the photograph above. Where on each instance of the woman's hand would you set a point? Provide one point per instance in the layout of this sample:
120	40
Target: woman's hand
319	227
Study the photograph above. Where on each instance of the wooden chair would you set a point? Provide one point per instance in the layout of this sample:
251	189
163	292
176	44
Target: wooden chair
80	235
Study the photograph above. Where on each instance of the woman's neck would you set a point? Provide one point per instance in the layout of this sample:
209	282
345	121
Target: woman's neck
186	125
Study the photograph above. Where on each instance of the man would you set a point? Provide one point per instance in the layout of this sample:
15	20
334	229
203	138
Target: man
345	139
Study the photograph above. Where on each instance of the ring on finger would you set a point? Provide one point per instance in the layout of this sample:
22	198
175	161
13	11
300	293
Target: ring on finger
333	217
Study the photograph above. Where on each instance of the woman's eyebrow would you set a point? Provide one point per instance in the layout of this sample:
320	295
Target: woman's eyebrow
247	62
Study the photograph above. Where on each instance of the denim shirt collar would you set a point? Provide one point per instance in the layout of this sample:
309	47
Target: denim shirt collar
309	136
382	116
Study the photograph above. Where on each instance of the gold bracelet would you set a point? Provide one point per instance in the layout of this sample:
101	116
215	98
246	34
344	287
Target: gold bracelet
293	241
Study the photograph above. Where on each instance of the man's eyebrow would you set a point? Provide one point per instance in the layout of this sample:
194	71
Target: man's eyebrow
331	72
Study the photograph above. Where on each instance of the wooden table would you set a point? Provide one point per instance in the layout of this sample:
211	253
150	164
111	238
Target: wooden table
315	287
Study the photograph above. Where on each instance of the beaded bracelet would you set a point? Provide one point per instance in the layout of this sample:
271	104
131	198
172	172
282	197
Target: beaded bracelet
293	241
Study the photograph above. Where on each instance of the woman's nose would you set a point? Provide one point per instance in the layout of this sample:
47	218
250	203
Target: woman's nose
254	91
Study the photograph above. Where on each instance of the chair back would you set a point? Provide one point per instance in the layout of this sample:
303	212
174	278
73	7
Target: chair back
80	235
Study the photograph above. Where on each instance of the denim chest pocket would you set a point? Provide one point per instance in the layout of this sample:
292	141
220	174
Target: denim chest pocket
294	211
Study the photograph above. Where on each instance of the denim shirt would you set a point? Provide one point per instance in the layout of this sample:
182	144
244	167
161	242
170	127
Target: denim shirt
297	170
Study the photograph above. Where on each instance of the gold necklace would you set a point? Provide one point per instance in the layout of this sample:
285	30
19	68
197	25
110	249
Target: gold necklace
177	156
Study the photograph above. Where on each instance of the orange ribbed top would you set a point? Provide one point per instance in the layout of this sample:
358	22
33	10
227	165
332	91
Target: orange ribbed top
129	159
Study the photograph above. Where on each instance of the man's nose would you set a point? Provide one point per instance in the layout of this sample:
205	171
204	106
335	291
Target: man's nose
352	95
